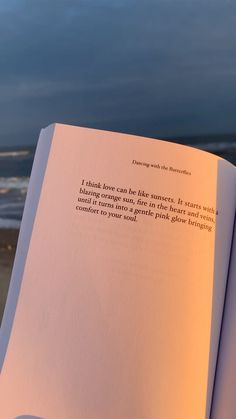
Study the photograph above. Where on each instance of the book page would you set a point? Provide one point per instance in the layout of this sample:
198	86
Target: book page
224	406
120	306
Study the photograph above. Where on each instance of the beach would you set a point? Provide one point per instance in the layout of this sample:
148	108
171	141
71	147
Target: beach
8	242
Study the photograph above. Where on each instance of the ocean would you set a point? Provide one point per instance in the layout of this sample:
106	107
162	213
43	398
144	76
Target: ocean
16	164
15	168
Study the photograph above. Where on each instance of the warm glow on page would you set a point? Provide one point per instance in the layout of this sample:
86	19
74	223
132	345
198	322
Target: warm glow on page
115	316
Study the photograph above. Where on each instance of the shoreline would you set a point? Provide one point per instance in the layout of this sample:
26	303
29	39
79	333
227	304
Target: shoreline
8	243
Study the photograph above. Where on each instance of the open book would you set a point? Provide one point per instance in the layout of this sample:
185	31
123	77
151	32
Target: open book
122	303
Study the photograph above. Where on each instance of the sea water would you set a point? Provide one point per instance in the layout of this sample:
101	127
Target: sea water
15	168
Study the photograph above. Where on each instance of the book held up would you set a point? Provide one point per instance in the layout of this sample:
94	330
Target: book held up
122	301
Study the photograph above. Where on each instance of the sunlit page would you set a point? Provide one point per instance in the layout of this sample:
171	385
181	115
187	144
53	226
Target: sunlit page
115	318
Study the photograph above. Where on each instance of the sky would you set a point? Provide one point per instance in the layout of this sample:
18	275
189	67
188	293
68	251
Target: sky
161	68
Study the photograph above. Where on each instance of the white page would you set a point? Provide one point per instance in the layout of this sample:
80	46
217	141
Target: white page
115	318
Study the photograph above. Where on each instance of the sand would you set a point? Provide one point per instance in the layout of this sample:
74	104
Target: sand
8	241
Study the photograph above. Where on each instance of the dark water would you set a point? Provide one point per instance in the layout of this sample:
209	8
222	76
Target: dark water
16	163
155	68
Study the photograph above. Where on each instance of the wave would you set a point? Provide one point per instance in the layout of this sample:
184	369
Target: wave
7	183
8	223
12	199
20	153
11	206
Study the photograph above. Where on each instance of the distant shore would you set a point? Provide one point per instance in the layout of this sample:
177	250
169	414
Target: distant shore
8	242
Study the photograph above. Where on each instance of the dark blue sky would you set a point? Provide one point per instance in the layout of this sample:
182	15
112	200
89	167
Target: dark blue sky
155	67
